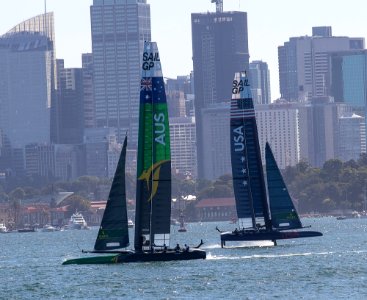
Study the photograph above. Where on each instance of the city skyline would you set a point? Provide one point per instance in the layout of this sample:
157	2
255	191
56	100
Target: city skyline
72	27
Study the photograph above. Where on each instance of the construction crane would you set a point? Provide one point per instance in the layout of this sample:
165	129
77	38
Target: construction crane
219	5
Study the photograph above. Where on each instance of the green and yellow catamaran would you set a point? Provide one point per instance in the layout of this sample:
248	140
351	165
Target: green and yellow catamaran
153	190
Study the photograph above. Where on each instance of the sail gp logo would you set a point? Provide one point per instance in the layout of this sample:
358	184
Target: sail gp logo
149	59
151	177
239	86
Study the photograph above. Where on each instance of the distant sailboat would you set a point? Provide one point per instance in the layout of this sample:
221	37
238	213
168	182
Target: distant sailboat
182	223
153	196
251	193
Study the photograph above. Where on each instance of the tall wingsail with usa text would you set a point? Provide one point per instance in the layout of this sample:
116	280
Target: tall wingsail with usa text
250	190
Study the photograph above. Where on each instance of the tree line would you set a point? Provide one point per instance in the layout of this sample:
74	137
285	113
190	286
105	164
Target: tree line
336	185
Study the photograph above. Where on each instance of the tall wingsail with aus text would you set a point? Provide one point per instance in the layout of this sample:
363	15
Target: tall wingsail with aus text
153	191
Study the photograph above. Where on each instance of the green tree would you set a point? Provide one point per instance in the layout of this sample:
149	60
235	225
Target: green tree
76	203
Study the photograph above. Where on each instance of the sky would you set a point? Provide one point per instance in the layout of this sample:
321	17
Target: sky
270	23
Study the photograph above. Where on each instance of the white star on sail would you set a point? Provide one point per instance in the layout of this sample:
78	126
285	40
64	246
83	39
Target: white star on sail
244	183
243	171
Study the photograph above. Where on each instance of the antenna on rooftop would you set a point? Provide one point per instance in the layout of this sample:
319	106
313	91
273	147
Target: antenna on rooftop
45	27
219	5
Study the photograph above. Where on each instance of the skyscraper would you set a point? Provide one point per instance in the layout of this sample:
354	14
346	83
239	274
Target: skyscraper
349	84
304	63
69	105
88	92
27	81
259	76
352	137
220	48
318	125
119	29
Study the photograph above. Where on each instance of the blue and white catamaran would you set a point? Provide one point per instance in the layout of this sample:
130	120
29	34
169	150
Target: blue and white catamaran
269	207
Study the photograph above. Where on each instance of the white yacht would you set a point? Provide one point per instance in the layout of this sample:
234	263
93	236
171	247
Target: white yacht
3	228
130	223
77	222
48	228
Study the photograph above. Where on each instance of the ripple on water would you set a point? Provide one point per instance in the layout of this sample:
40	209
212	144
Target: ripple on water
329	267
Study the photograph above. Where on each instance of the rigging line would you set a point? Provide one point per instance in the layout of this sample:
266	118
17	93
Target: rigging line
152	163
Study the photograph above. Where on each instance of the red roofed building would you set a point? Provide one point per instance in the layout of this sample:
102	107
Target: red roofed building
35	214
58	215
216	209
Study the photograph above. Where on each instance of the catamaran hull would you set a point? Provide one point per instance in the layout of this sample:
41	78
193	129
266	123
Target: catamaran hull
169	255
265	235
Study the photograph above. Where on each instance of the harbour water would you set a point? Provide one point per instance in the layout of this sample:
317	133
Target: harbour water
330	267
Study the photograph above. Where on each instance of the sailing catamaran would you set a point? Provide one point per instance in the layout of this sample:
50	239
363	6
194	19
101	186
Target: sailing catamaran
153	191
251	192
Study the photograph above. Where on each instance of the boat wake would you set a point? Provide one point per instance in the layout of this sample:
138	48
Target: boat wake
212	246
264	256
250	244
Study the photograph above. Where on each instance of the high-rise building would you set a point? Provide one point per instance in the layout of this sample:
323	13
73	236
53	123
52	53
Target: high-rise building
70	120
97	144
348	77
119	29
183	145
176	104
352	137
39	160
27	81
220	48
277	124
304	63
183	84
88	92
259	77
318	125
217	158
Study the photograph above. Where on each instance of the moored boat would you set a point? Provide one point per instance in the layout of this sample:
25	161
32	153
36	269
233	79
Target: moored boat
77	222
3	228
48	228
